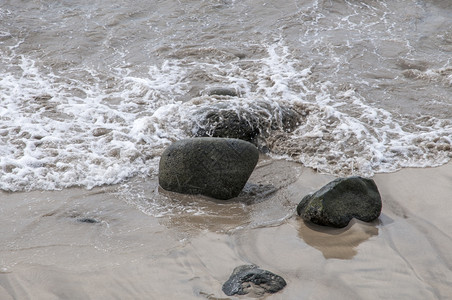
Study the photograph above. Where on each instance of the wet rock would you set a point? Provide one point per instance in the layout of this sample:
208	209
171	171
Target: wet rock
290	119
87	220
339	201
229	124
245	123
100	131
249	279
214	167
222	91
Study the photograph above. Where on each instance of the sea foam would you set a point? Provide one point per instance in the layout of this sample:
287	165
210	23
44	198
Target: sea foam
64	124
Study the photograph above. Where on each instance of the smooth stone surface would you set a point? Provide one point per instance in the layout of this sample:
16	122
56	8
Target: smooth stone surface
214	167
249	279
339	201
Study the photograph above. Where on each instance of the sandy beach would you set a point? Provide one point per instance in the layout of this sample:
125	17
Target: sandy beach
108	243
93	92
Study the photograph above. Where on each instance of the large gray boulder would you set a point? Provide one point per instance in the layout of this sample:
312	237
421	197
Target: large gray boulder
249	279
215	167
339	201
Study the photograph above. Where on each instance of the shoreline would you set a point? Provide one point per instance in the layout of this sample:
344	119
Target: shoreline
132	250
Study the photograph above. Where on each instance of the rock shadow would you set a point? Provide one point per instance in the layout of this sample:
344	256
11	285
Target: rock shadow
339	243
198	212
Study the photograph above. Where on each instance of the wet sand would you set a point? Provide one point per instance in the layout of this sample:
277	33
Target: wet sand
135	241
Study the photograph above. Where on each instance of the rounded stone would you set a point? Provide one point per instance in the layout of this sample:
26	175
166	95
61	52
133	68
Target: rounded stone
214	167
341	200
249	278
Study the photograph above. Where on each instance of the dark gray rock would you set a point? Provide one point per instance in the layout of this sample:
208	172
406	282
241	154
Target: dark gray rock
246	123
229	124
222	91
88	220
339	201
250	279
215	167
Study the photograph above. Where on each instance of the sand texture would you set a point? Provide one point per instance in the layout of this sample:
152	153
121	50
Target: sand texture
136	241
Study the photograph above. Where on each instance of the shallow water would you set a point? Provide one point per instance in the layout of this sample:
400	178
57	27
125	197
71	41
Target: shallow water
91	93
49	251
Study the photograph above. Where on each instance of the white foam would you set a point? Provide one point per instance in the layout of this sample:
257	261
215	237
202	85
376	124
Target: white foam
54	138
74	129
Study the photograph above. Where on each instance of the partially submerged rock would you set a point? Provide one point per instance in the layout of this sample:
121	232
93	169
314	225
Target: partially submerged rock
222	91
339	201
214	167
228	120
229	124
249	279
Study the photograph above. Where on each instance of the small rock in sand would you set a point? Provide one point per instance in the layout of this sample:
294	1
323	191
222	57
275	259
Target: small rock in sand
252	281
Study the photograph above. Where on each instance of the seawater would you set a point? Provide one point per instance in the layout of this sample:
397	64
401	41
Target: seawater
91	92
